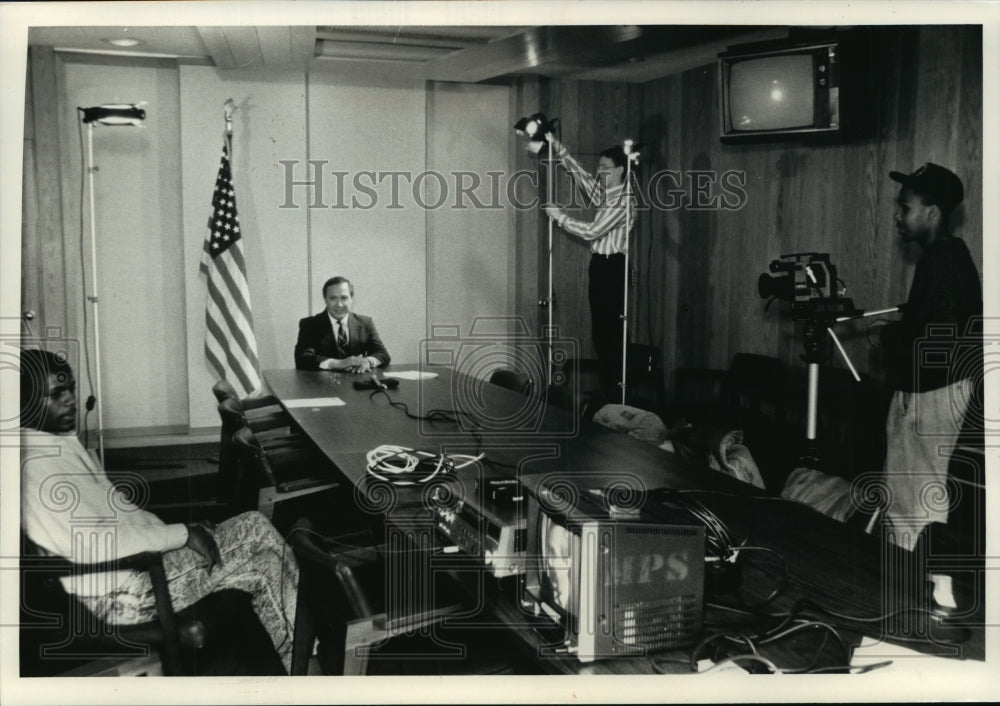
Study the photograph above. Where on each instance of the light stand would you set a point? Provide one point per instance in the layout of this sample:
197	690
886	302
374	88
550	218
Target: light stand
631	155
105	115
535	128
550	300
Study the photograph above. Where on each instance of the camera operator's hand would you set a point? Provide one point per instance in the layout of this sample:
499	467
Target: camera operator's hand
553	212
201	540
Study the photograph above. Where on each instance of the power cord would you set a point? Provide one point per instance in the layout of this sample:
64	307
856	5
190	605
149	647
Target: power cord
434	415
720	547
789	623
402	466
450	416
754	641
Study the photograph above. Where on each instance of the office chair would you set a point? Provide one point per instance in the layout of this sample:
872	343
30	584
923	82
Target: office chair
344	582
263	414
60	636
279	473
235	489
755	385
223	390
512	380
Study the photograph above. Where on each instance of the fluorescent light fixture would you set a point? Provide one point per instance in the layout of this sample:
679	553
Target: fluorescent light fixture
123	41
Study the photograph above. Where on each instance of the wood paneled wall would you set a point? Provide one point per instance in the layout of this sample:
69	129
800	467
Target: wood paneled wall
696	269
592	116
44	275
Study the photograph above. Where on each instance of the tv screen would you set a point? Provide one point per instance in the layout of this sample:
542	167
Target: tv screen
781	91
560	550
772	93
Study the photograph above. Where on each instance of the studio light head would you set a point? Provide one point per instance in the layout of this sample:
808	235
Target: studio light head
119	114
534	128
632	149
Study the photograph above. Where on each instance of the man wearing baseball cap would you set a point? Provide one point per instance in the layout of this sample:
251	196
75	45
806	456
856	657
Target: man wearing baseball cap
933	356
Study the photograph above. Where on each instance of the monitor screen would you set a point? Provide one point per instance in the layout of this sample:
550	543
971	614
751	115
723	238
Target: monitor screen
560	565
772	92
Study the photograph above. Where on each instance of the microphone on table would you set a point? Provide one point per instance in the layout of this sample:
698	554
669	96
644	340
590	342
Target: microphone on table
374	382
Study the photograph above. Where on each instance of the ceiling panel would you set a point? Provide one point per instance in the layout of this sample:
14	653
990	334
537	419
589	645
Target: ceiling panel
159	41
249	47
629	53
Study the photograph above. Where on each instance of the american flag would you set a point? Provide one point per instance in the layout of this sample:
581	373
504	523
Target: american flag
230	344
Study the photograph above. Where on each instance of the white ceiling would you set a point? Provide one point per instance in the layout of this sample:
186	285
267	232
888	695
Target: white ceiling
183	42
624	53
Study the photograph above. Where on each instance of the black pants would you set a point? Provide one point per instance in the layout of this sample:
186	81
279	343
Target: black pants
607	302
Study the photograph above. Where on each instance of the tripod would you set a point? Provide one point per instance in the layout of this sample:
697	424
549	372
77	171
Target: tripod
813	356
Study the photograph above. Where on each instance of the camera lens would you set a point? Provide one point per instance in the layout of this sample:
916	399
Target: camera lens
780	286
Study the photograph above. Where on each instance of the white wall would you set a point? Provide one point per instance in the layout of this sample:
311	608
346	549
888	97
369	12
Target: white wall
377	125
139	246
269	125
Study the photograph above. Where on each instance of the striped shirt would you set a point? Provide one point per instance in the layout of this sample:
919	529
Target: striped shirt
607	233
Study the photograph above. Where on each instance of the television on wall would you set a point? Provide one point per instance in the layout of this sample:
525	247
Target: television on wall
783	91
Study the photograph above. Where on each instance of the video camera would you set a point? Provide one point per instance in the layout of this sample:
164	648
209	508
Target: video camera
809	281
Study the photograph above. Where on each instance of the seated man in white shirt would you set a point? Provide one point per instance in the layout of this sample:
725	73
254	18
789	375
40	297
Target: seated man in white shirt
70	508
338	338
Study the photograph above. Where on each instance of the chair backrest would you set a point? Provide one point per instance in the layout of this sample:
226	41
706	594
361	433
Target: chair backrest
512	380
79	633
233	416
757	384
314	558
251	456
232	484
223	390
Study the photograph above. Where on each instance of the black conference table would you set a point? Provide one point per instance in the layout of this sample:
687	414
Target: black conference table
819	560
506	425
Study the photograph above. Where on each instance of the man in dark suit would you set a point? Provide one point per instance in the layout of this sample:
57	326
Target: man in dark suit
338	339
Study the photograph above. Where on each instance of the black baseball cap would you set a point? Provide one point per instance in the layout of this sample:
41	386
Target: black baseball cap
935	183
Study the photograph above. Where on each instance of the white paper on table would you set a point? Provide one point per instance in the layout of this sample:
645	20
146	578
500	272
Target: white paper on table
314	402
411	375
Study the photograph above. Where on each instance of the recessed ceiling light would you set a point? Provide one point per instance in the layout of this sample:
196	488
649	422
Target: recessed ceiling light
123	41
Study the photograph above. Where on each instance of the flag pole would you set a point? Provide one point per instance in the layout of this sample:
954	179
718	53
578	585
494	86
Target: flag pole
228	108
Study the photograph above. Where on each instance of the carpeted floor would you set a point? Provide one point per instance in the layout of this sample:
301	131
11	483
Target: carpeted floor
164	462
182	478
